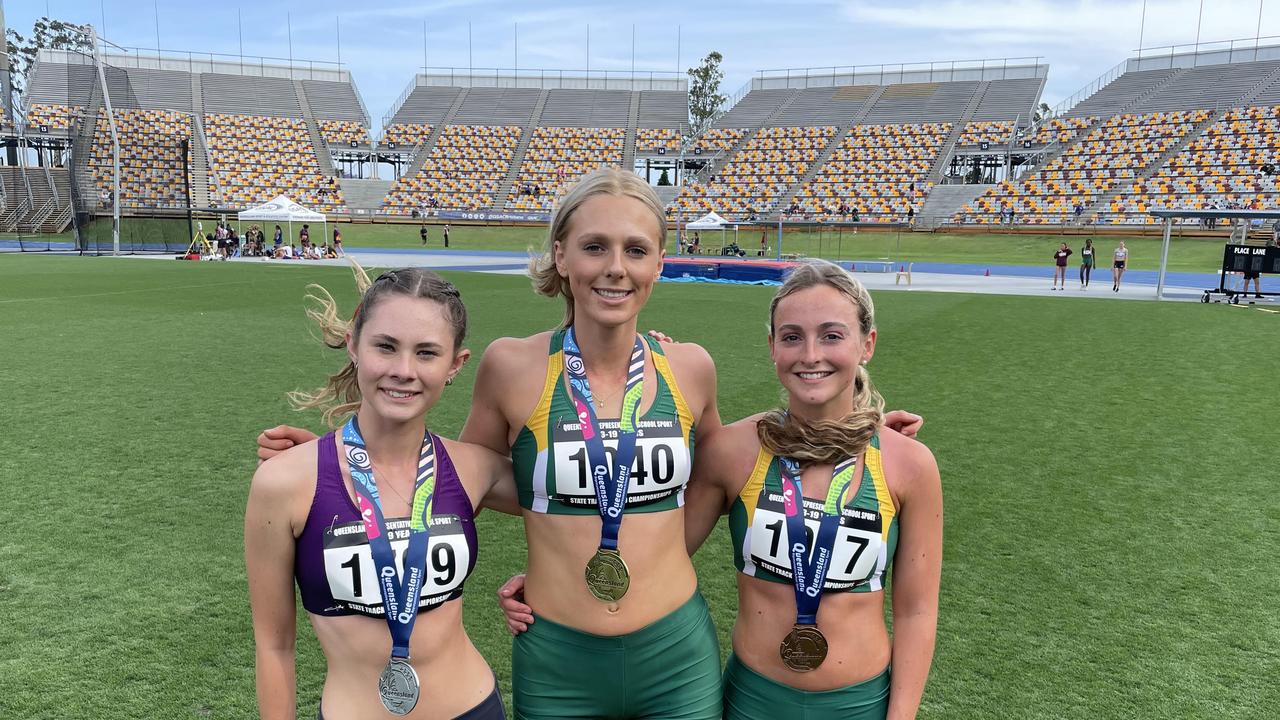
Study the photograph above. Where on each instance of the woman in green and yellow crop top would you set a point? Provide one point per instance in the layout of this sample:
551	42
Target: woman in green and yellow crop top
600	424
819	648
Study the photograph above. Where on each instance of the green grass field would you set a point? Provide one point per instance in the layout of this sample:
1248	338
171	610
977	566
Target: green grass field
1109	470
1187	254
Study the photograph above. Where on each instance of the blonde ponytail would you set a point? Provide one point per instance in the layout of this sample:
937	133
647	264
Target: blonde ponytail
825	442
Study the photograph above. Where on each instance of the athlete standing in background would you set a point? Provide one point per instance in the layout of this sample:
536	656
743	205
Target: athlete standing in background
1060	267
1088	254
1120	258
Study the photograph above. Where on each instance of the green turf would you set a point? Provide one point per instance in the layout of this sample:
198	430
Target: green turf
1187	254
1109	470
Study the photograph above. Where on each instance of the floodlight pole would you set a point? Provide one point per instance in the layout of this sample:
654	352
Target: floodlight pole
185	145
115	143
1164	258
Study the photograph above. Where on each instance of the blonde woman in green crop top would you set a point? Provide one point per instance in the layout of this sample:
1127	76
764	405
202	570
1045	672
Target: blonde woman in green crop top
591	593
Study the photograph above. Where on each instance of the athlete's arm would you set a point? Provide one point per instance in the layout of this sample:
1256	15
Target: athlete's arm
486	424
721	466
269	554
273	441
705	499
495	472
916	576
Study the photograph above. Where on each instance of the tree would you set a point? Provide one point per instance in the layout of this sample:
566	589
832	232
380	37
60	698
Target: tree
663	179
52	34
704	92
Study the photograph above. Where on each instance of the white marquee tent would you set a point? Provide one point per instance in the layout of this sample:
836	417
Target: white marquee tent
712	221
282	209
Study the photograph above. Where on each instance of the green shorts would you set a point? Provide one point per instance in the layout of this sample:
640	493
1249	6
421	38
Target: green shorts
669	669
748	695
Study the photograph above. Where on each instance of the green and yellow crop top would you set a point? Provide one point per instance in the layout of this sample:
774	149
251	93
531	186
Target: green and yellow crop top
550	458
864	544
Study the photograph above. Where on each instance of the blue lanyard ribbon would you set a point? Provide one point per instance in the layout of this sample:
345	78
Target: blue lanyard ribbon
809	570
610	487
399	594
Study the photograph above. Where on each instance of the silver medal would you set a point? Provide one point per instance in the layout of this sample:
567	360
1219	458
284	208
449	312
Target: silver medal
398	687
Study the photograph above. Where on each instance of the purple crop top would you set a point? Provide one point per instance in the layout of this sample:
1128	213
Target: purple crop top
333	566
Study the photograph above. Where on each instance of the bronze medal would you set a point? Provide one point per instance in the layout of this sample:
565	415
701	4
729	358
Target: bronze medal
804	648
607	576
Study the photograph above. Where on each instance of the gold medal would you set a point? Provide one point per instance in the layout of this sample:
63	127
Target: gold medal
804	648
607	576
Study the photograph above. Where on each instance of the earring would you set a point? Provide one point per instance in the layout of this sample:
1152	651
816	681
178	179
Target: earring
448	381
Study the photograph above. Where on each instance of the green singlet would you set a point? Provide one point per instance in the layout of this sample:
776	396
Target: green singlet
550	459
864	544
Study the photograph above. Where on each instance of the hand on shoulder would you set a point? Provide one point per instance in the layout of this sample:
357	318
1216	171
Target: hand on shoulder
909	463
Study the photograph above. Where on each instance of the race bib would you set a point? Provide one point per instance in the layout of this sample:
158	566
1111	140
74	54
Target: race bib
353	578
856	548
660	470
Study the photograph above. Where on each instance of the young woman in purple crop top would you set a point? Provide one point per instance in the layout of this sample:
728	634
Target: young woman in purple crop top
340	513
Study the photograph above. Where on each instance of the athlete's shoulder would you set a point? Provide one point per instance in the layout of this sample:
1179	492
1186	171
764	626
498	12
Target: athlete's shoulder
735	445
287	480
746	427
694	369
689	355
909	464
509	357
514	350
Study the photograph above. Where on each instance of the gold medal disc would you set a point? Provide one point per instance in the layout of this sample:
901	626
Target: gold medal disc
607	576
804	648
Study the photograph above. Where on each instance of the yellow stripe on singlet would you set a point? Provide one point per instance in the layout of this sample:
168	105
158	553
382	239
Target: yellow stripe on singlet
750	493
663	367
875	462
537	422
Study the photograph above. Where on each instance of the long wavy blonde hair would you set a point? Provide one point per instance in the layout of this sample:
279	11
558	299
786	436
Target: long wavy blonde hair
340	395
826	441
603	181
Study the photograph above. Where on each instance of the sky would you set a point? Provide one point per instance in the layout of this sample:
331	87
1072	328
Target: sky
381	41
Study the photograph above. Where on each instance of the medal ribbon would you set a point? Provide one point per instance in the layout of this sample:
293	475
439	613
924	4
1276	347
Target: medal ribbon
399	594
810	574
610	487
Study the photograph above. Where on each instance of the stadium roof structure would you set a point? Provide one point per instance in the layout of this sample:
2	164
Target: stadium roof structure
553	79
898	73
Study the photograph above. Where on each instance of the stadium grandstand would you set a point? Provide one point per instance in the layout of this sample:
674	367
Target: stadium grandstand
508	142
250	129
943	143
854	144
1191	130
